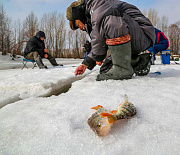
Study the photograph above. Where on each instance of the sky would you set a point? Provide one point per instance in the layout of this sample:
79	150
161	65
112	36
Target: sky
20	9
33	121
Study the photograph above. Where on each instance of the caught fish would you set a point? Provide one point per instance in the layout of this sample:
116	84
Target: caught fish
101	121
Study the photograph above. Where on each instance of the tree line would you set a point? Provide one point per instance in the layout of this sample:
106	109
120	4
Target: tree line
61	41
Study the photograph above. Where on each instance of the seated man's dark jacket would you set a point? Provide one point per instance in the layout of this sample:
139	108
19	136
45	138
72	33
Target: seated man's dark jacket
35	44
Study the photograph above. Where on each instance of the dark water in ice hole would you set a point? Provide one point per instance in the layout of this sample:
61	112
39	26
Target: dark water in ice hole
60	91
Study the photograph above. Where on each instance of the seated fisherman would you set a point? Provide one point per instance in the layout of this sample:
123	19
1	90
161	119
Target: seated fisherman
35	50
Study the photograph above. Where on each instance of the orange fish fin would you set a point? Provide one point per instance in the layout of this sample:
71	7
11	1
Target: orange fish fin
105	114
119	105
114	112
111	118
97	107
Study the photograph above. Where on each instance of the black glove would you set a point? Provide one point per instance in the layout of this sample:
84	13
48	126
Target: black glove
106	66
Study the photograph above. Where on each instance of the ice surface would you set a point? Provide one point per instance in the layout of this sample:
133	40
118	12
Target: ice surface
57	125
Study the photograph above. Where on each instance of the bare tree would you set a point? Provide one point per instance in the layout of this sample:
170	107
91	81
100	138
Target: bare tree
145	12
76	40
30	26
17	39
8	39
60	34
174	37
153	17
20	37
2	29
160	23
76	44
70	38
53	25
82	39
15	29
163	25
5	32
45	25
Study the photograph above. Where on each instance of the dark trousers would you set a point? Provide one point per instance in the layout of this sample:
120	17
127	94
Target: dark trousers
157	48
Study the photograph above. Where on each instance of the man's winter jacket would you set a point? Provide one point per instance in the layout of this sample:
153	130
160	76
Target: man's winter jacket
161	42
35	44
112	19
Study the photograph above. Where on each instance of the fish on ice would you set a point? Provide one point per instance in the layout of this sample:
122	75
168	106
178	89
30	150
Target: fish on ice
101	121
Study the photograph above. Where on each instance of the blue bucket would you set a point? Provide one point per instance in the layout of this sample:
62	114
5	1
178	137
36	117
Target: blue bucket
165	57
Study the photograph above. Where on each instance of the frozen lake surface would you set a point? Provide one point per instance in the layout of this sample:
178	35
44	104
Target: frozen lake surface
39	117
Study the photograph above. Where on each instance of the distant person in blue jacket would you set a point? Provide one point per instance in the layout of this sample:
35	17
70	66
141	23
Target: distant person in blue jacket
161	43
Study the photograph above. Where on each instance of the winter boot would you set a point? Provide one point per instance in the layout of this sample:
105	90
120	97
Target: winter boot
54	63
121	58
40	63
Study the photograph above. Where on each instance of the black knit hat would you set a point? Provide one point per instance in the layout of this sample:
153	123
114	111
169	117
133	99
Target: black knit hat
40	34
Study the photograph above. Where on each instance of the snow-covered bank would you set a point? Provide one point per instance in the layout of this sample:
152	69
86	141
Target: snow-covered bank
21	84
58	124
17	84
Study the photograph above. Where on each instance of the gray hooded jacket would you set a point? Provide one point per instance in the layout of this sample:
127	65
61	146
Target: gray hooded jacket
112	19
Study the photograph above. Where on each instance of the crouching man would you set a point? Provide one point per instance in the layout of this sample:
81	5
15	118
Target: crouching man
118	27
161	43
35	50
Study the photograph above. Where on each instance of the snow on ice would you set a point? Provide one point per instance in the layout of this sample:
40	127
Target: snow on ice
37	118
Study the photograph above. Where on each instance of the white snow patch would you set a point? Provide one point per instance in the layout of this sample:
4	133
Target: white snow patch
58	124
